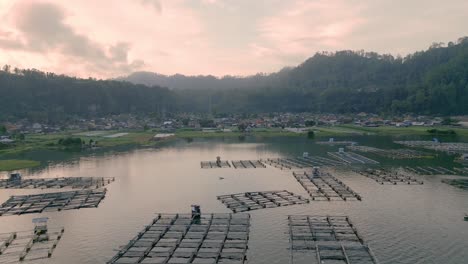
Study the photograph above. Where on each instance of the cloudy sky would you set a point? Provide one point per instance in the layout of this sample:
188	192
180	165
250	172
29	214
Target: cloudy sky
109	38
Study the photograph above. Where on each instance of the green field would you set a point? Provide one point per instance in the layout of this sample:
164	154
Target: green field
9	165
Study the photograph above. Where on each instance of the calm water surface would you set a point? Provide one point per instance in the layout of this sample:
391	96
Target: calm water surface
402	224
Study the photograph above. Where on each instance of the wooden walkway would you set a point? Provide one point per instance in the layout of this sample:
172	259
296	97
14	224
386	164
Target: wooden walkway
47	202
241	202
57	183
213	238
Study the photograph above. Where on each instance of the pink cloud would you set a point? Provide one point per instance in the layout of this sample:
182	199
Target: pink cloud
309	26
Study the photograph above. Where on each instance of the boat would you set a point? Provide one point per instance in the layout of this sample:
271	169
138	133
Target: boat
466	217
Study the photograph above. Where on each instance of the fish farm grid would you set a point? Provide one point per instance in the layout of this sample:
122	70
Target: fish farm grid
333	239
247	164
26	245
392	153
57	183
352	158
429	170
180	238
322	186
448	147
302	162
459	183
384	176
49	202
215	164
241	202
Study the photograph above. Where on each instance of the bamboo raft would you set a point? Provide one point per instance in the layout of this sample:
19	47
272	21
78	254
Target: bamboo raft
57	183
48	202
392	153
241	202
247	164
352	158
25	246
384	176
180	238
333	239
323	186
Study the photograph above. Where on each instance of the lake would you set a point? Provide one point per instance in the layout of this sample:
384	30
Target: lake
403	224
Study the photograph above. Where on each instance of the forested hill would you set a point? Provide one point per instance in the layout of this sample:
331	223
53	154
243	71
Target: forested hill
434	81
46	97
431	82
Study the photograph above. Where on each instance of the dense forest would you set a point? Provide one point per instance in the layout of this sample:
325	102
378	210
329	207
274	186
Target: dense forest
434	81
43	96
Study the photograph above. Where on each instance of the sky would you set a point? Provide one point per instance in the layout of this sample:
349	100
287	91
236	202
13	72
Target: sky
111	38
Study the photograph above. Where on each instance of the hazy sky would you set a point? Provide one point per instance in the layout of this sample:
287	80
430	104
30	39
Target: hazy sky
108	38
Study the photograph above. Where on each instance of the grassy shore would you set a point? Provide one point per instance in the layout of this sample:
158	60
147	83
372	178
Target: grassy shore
9	165
143	138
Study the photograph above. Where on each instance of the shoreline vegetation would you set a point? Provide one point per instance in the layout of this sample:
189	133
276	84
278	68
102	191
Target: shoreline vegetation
92	140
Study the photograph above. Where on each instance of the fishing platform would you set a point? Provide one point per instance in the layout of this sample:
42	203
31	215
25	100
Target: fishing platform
184	238
333	239
385	176
305	161
459	183
393	153
248	164
322	186
431	170
51	202
18	182
215	164
448	147
36	244
241	202
351	157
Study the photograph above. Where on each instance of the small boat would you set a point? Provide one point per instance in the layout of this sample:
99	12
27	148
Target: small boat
221	178
466	217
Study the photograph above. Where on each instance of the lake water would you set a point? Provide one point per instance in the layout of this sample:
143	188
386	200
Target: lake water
403	224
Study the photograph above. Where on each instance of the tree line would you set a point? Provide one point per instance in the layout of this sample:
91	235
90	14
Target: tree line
434	81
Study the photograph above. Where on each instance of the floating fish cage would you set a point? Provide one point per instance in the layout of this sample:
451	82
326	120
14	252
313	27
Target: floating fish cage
333	239
49	202
182	238
459	183
302	162
385	176
430	170
323	186
336	143
393	153
448	147
56	183
215	164
247	164
27	245
241	202
352	158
